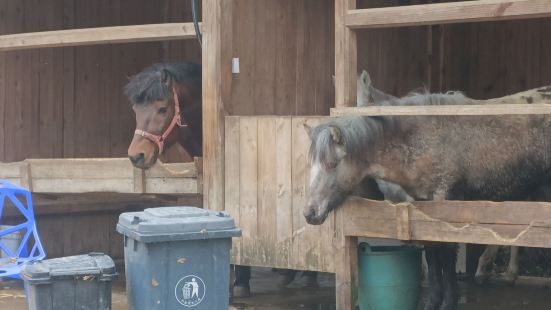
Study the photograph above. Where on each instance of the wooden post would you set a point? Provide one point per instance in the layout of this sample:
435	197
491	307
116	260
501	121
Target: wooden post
346	257
217	25
26	176
346	266
346	56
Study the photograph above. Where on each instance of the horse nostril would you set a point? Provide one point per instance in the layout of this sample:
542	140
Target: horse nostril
310	212
137	159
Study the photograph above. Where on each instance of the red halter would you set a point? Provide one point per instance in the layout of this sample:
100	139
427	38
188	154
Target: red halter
176	120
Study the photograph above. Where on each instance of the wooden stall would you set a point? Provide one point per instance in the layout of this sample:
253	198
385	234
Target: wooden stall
486	48
61	98
109	175
505	223
65	124
288	73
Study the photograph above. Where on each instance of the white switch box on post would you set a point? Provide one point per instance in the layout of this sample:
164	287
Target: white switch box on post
235	65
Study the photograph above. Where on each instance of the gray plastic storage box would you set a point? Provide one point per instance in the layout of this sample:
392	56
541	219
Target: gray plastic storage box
177	258
76	282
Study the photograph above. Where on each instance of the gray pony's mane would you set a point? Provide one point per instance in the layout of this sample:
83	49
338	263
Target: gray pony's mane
424	97
358	132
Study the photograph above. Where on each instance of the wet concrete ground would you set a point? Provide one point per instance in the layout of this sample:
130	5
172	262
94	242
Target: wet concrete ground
267	296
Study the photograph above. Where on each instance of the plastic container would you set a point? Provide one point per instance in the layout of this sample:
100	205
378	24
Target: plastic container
389	277
177	258
76	282
29	248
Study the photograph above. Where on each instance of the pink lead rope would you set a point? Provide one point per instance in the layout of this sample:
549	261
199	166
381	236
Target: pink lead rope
176	120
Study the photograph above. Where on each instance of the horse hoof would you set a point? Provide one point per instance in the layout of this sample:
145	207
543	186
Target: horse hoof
481	279
241	291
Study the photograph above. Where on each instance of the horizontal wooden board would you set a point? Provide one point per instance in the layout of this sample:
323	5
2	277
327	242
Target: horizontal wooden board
101	35
447	13
442	110
75	203
483	222
73	185
10	170
101	175
71	168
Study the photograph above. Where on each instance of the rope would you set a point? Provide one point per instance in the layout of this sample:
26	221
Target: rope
196	22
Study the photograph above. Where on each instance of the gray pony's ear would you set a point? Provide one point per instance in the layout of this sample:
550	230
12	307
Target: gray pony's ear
166	78
365	78
335	134
308	129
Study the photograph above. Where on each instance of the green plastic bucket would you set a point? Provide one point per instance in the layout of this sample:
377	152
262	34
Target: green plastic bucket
389	277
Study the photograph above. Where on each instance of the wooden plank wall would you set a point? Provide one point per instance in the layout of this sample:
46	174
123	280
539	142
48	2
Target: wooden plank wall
286	52
266	178
396	58
68	102
488	60
264	189
54	99
484	60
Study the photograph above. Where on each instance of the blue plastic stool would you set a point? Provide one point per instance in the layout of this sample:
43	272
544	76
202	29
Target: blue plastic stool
14	263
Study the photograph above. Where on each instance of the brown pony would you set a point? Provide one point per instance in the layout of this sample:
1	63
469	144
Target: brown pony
167	101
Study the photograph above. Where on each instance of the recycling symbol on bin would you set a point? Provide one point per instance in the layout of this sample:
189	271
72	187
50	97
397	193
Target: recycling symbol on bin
190	291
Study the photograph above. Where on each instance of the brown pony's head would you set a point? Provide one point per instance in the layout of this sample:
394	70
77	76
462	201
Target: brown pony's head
156	94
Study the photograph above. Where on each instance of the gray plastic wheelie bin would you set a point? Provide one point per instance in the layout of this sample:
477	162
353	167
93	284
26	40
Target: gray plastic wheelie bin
177	258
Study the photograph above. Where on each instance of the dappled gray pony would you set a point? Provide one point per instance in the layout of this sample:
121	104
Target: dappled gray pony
368	95
432	158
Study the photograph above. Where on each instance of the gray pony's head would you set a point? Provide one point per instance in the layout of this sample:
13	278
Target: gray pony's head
337	162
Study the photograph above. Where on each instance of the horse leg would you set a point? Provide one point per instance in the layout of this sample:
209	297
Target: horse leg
448	259
487	257
510	276
434	277
241	286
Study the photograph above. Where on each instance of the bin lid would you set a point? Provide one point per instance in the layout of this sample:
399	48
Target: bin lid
176	224
90	267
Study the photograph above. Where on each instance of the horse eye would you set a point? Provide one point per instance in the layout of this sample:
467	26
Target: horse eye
332	165
162	110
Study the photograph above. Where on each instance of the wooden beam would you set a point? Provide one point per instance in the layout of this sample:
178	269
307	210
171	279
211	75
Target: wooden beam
346	265
503	223
447	13
64	204
217	37
441	110
92	36
346	56
84	175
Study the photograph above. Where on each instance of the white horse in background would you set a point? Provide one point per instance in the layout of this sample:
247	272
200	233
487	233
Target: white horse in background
368	95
